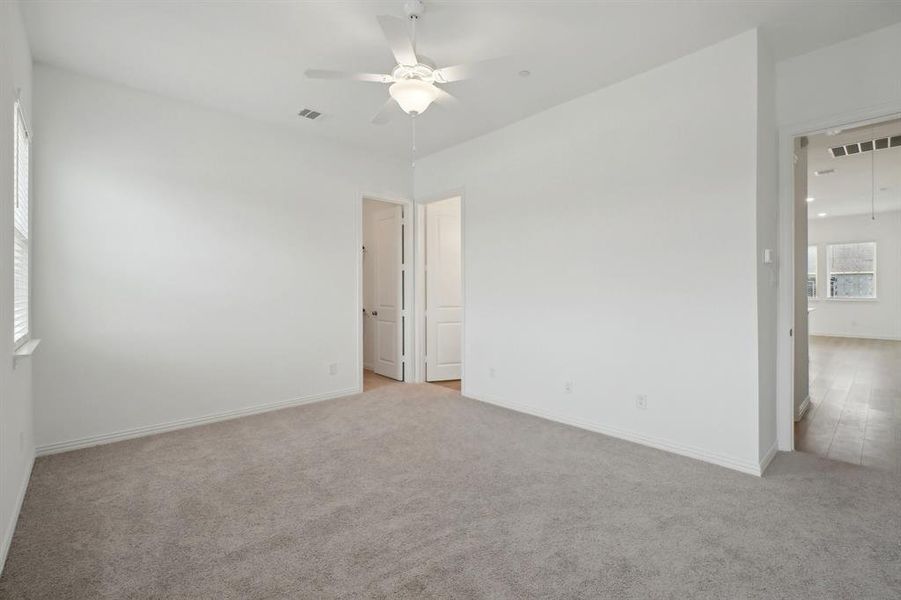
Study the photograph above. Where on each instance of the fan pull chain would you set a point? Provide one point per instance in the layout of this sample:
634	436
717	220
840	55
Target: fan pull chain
413	157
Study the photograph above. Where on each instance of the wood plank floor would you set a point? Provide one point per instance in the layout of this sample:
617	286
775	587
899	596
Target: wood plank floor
372	381
453	384
855	393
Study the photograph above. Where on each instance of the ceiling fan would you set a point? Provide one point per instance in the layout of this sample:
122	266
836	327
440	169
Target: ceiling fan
413	81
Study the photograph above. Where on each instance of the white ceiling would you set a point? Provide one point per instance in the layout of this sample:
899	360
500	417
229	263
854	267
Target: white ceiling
249	57
848	191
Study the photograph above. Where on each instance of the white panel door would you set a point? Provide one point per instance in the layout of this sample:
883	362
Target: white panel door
388	292
444	291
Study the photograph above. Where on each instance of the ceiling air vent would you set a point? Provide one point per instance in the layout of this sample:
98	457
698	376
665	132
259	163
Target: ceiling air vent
309	114
866	146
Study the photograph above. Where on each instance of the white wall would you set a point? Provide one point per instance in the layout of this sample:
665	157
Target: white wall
612	241
854	75
848	82
767	239
880	318
16	428
189	263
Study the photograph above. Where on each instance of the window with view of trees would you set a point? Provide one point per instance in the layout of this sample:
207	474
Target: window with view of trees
852	270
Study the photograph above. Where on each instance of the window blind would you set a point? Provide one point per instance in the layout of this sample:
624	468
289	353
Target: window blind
20	237
852	270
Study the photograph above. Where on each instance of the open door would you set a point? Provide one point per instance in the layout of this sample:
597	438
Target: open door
387	312
444	291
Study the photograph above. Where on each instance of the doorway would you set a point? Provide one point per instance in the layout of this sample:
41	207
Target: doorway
441	224
847	378
384	293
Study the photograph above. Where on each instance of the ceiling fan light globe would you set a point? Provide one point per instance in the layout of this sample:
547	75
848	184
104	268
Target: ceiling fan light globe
413	95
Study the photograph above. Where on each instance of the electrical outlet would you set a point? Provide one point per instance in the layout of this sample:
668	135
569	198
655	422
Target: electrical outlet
492	373
568	387
333	369
641	402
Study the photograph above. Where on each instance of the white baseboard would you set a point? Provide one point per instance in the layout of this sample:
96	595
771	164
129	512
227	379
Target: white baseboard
803	408
858	336
126	434
768	457
14	517
737	464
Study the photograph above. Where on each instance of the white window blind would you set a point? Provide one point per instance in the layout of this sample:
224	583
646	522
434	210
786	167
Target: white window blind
852	270
20	237
811	271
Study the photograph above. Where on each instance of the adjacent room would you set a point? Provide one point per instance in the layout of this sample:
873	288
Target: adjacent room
853	201
384	297
442	299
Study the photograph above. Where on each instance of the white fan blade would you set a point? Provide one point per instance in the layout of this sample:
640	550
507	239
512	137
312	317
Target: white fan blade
492	67
384	114
326	74
445	99
398	36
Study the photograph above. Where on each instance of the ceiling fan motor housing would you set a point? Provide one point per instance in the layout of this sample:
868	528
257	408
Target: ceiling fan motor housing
418	71
414	8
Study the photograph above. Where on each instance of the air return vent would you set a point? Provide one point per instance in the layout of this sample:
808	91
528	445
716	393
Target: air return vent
866	146
309	114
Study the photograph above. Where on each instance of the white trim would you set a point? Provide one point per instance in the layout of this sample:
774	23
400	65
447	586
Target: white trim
858	336
805	406
14	517
136	432
25	350
722	460
768	457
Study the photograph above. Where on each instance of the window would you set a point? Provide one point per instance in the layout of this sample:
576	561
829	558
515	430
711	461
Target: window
20	235
811	271
852	270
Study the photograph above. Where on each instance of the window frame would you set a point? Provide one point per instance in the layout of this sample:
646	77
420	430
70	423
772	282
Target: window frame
874	272
25	237
815	273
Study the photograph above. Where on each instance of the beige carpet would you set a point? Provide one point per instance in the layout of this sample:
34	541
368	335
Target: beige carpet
415	492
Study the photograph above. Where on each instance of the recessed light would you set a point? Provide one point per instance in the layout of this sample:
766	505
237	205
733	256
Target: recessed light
810	198
821	214
525	73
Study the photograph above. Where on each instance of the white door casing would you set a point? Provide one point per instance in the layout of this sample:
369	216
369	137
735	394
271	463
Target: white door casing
444	290
388	308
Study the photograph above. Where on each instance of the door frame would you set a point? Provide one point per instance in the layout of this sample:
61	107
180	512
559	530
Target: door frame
408	286
785	344
420	297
